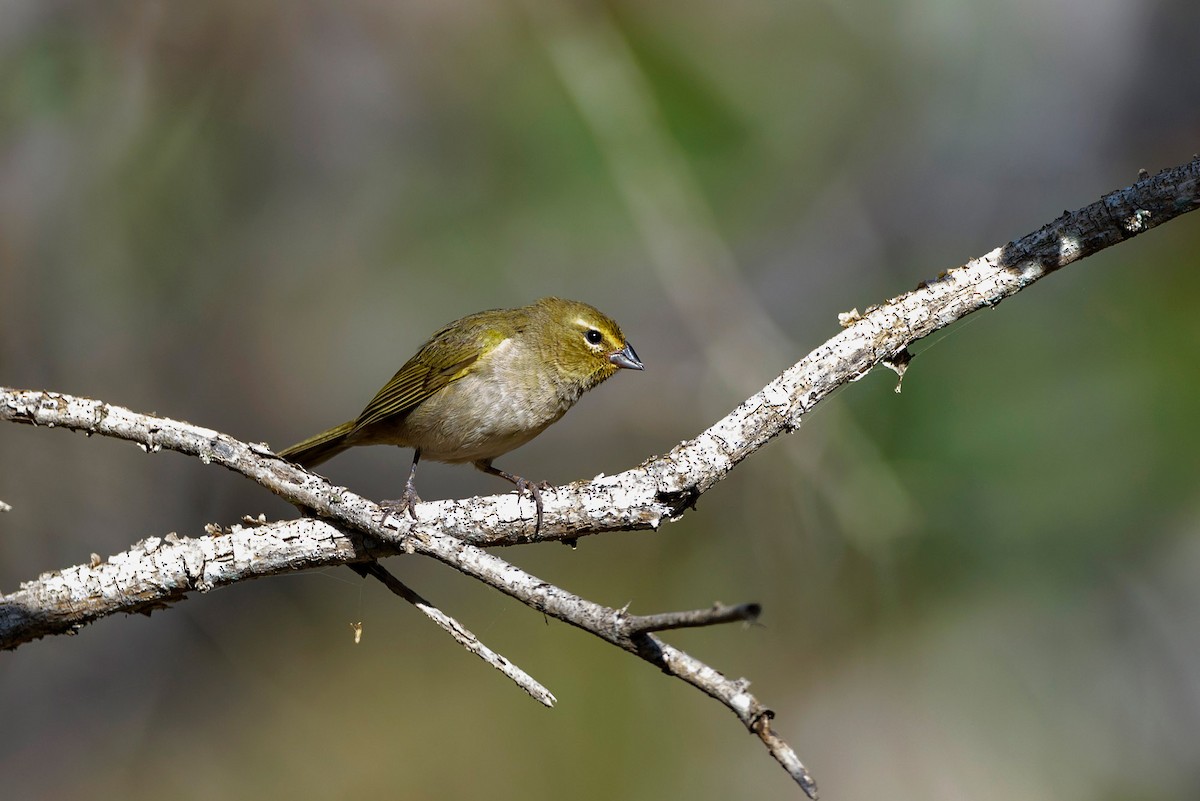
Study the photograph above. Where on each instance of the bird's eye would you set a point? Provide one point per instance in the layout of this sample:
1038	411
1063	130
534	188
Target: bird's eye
593	336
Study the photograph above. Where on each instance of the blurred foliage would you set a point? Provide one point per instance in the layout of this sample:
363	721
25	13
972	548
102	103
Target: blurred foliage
248	215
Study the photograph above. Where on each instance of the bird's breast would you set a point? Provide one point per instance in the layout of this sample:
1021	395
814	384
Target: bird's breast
493	410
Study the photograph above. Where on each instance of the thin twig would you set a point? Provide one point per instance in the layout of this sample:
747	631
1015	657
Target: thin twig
460	634
717	614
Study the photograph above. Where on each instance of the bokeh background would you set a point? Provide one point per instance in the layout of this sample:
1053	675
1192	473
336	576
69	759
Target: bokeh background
247	215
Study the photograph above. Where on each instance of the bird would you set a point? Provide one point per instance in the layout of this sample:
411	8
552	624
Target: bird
482	386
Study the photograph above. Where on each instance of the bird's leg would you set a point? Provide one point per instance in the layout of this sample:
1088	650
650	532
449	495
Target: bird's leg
410	498
523	485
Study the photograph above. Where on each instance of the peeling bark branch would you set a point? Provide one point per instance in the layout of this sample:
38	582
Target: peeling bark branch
156	572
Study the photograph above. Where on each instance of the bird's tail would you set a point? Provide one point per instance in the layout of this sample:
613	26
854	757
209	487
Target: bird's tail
314	450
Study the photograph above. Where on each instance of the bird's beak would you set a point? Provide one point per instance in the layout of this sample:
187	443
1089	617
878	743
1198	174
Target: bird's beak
627	358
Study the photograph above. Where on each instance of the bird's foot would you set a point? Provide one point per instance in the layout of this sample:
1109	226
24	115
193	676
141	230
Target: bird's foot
399	506
534	488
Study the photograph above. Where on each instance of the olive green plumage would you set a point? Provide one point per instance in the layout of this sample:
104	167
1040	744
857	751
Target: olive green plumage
484	385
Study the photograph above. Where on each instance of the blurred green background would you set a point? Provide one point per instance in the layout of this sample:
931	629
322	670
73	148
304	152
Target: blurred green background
247	215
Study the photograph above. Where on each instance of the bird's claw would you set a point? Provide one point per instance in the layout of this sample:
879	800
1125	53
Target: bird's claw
399	506
534	488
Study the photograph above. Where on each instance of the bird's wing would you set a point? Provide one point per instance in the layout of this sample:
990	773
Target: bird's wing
449	355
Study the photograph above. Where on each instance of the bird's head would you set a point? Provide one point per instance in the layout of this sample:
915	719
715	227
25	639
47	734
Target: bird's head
585	345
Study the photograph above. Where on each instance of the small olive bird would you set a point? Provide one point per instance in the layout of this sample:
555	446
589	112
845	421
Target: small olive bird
482	386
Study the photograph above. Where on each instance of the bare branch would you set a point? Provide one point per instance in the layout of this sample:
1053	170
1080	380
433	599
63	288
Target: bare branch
463	637
157	572
664	487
